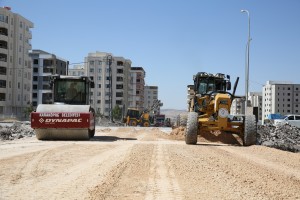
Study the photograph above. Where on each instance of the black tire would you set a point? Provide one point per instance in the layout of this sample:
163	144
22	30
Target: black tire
133	122
183	119
250	130
191	133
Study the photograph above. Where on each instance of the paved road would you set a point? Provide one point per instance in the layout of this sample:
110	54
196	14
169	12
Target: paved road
144	163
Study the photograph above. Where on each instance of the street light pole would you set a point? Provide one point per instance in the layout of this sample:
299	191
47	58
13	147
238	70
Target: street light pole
109	59
247	61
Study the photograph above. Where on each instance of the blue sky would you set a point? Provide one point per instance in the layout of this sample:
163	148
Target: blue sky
173	39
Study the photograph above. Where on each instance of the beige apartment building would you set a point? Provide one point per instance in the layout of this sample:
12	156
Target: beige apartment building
15	64
77	70
136	88
280	97
151	97
100	66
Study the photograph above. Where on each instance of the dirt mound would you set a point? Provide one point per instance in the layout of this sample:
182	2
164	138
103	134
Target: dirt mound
16	131
285	137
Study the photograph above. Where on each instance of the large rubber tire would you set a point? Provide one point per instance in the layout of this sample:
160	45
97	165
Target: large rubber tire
146	123
250	131
133	122
191	134
183	119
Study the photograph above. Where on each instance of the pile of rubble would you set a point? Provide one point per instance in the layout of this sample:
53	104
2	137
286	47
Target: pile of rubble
285	137
16	131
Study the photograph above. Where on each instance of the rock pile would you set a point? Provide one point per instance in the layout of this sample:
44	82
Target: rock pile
16	131
285	137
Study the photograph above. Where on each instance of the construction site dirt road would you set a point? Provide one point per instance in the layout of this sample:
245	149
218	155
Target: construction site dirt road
144	163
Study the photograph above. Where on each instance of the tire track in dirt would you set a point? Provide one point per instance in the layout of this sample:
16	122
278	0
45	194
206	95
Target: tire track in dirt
210	172
162	181
69	177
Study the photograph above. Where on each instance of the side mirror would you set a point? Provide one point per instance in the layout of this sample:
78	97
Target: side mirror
228	85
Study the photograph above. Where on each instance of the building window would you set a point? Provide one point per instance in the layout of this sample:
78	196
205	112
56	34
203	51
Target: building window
2	96
119	86
91	70
99	85
119	94
98	101
99	94
3	57
3	70
2	83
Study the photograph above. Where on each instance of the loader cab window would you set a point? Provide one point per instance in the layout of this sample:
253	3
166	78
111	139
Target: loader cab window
70	92
209	85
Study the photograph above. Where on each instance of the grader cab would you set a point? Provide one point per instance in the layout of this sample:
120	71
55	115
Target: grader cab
209	110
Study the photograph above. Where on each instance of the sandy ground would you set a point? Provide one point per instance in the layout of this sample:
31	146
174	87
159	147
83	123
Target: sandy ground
145	163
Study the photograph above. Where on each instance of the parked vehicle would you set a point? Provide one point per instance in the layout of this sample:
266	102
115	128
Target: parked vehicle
291	119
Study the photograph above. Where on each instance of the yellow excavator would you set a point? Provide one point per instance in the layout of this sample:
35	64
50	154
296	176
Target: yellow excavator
209	110
70	116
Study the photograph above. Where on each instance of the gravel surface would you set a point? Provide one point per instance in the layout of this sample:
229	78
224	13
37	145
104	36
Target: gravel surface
144	163
285	137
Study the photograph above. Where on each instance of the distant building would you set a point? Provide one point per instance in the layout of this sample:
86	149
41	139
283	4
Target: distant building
45	65
15	64
77	70
280	97
255	99
136	88
97	67
237	106
150	97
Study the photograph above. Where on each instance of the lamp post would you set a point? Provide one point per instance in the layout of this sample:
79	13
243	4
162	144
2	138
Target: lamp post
109	61
247	61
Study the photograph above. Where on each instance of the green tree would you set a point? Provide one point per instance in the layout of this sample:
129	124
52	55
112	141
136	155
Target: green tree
117	113
28	110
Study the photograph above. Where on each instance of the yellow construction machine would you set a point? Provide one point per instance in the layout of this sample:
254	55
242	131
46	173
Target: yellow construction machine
134	118
209	110
70	116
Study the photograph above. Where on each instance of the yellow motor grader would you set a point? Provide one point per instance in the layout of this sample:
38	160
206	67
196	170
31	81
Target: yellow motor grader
209	110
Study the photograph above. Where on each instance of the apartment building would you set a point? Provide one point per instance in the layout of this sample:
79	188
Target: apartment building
237	106
280	97
44	65
100	66
150	97
77	70
15	64
256	99
136	88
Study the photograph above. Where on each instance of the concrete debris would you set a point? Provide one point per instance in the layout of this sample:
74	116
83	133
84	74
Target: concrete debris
285	137
107	123
16	131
